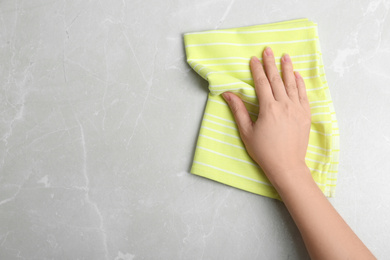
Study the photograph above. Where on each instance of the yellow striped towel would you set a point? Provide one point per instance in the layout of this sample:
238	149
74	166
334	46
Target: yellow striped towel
222	58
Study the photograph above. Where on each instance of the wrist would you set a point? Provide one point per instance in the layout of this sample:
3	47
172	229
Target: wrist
285	179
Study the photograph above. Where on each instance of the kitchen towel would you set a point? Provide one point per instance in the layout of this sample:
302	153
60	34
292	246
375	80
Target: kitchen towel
222	58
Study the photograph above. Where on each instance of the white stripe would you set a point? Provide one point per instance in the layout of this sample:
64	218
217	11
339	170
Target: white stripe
248	59
318	101
232	63
232	173
321	154
320	148
222	103
229	89
196	66
227	156
248	44
254	114
217	140
247	63
315	131
222	58
241	176
312	68
245	101
217	101
319	106
219	132
202	69
211	121
238	93
229	84
322	122
249	96
316	170
250	32
320	113
309	159
311	89
224	71
221	118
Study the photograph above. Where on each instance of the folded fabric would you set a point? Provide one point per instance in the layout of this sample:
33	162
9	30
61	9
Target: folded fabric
222	58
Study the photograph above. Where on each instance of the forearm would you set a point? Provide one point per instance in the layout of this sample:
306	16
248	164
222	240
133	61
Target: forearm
278	142
324	232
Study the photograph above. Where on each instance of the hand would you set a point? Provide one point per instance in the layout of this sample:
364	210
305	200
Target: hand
278	139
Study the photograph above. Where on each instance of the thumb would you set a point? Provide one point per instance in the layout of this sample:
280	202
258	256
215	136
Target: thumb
240	113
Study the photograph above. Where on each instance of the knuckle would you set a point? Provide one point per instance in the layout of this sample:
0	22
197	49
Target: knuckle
271	110
234	107
301	82
261	80
275	78
290	85
287	107
270	106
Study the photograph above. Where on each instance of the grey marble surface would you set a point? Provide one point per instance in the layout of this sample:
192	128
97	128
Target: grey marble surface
99	119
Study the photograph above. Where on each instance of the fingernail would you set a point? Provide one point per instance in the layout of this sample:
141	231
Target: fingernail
268	51
286	58
254	58
226	96
297	75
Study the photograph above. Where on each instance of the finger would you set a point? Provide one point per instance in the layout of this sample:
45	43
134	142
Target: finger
273	74
262	86
240	113
301	90
289	78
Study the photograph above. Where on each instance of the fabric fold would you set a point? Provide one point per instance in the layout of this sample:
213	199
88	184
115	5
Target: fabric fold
222	58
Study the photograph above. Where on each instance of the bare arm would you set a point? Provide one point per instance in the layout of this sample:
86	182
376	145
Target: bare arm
277	141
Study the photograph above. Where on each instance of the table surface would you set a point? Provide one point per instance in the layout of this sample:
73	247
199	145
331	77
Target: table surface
100	115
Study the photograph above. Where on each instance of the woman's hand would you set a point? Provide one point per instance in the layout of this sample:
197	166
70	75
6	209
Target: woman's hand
278	139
